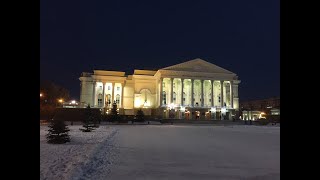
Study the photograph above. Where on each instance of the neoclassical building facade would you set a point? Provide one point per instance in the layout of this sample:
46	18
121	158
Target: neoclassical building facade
195	89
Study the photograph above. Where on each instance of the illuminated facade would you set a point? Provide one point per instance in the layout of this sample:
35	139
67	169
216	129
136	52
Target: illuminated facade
194	89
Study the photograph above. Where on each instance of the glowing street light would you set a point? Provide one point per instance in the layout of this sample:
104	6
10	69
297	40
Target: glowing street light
60	100
223	110
41	94
183	108
214	109
171	106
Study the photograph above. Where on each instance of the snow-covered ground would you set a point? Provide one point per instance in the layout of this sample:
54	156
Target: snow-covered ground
87	156
164	152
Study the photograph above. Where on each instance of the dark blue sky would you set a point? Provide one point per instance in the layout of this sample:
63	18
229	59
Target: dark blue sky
240	36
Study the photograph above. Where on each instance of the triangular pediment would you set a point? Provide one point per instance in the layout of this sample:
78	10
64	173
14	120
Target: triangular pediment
198	65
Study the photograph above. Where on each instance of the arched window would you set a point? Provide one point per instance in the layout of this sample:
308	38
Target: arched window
146	97
117	99
100	99
164	97
108	99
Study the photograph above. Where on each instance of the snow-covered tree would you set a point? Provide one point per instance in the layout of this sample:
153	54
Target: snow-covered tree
140	116
89	120
58	132
114	113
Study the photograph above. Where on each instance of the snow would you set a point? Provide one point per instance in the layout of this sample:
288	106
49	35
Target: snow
86	157
164	152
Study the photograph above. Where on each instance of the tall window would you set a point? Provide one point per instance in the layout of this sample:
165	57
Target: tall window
184	97
108	99
164	97
109	87
174	85
117	99
163	84
100	100
174	96
118	88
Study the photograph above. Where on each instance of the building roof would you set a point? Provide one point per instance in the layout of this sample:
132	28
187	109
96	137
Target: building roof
144	72
198	65
109	73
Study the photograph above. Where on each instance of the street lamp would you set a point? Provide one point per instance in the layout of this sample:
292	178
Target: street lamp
41	94
60	101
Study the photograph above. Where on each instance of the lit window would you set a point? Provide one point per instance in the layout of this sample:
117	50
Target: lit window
118	88
108	99
117	98
109	87
100	100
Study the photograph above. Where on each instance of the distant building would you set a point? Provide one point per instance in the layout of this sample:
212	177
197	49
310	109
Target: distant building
255	109
194	89
71	104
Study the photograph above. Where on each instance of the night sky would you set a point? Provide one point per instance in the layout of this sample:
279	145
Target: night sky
240	36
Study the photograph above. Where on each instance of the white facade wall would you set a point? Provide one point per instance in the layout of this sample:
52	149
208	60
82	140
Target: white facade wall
142	90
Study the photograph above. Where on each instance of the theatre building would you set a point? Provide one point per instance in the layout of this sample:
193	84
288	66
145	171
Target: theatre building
195	89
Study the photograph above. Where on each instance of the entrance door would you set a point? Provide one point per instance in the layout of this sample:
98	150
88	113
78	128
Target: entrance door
218	115
171	113
227	117
208	115
108	100
187	115
197	115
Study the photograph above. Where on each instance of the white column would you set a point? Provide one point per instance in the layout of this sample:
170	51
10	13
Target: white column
171	92
202	100
221	93
161	91
103	94
192	102
231	94
235	85
81	92
93	94
182	92
112	93
212	100
122	92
